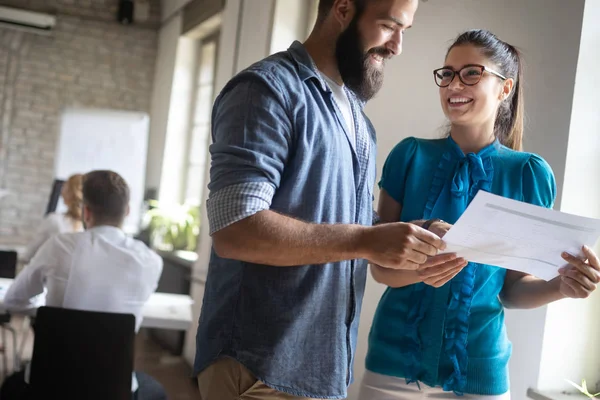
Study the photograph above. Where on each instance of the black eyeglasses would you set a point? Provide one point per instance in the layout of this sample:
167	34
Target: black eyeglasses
469	75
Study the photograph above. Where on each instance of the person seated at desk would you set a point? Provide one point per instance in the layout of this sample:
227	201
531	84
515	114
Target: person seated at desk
55	223
100	269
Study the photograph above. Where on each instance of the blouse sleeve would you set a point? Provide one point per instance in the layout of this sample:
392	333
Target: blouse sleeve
396	167
539	185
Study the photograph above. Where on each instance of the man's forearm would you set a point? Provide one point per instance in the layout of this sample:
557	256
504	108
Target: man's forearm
274	239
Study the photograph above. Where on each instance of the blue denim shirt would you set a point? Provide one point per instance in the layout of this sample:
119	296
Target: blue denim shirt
280	143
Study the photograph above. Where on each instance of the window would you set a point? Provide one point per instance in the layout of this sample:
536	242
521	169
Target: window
200	121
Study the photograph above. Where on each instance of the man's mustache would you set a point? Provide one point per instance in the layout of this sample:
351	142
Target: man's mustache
381	51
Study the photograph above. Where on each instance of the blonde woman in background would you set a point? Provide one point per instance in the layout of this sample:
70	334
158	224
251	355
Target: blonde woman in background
54	223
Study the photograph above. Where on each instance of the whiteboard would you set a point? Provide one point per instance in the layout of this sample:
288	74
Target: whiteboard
92	139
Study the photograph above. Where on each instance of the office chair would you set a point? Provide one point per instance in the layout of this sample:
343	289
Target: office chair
82	355
8	269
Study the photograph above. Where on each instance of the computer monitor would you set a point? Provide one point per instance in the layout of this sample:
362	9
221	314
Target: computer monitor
55	201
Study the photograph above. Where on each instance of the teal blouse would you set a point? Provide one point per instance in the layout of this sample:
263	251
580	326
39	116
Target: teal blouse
453	336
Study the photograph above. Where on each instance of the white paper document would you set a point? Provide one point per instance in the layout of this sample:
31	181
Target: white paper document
511	234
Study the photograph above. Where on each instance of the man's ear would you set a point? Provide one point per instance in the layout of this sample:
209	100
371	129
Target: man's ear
343	12
85	216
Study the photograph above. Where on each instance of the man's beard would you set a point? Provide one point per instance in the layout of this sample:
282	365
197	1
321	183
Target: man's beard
355	67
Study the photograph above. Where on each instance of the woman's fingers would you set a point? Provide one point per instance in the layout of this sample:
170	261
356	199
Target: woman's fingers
582	266
443	269
580	279
438	260
593	260
573	288
439	281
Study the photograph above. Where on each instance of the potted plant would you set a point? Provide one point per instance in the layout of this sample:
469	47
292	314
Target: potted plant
172	227
583	389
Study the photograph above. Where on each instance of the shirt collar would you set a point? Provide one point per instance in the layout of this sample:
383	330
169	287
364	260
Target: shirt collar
485	152
107	230
306	66
307	69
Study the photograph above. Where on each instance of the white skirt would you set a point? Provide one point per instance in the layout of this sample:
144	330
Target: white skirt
382	387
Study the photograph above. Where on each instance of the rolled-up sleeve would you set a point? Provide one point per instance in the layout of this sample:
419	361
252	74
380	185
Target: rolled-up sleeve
236	202
252	136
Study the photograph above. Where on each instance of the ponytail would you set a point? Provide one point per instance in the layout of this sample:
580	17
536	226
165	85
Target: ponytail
74	197
510	119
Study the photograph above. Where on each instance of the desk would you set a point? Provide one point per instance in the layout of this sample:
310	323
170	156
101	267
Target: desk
19	249
162	311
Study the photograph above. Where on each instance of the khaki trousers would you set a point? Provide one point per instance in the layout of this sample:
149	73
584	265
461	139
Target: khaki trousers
227	379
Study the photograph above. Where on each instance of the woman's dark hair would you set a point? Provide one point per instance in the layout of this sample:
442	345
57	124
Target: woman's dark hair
509	121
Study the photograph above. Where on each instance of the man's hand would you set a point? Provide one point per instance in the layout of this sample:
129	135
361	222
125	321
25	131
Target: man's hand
400	245
440	228
440	269
581	277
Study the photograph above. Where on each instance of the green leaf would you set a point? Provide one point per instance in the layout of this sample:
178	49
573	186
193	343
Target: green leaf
583	388
575	385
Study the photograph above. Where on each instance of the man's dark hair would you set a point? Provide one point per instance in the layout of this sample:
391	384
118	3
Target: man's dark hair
106	194
325	7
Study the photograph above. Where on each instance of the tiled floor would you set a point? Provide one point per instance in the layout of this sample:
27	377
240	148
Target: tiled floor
171	371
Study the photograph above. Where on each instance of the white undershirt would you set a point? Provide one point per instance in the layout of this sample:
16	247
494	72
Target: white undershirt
343	103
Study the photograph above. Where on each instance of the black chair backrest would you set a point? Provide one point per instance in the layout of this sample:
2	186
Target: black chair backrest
8	264
82	355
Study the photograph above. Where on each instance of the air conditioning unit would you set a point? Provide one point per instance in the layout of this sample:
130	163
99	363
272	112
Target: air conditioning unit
29	21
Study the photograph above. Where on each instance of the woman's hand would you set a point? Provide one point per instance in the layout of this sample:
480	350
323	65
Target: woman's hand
439	270
436	271
581	277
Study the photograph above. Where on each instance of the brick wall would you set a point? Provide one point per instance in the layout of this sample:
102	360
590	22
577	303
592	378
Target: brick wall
88	61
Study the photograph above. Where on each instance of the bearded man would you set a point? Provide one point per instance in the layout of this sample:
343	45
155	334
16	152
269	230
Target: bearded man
291	214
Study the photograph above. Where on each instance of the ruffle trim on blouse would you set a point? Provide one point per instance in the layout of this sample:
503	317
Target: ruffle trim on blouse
457	328
439	179
472	172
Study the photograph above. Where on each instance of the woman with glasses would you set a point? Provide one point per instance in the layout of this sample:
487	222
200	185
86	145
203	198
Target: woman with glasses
439	332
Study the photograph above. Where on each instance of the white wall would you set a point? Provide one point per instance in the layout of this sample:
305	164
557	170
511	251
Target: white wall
163	84
583	163
255	31
161	97
574	319
178	121
289	23
408	105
